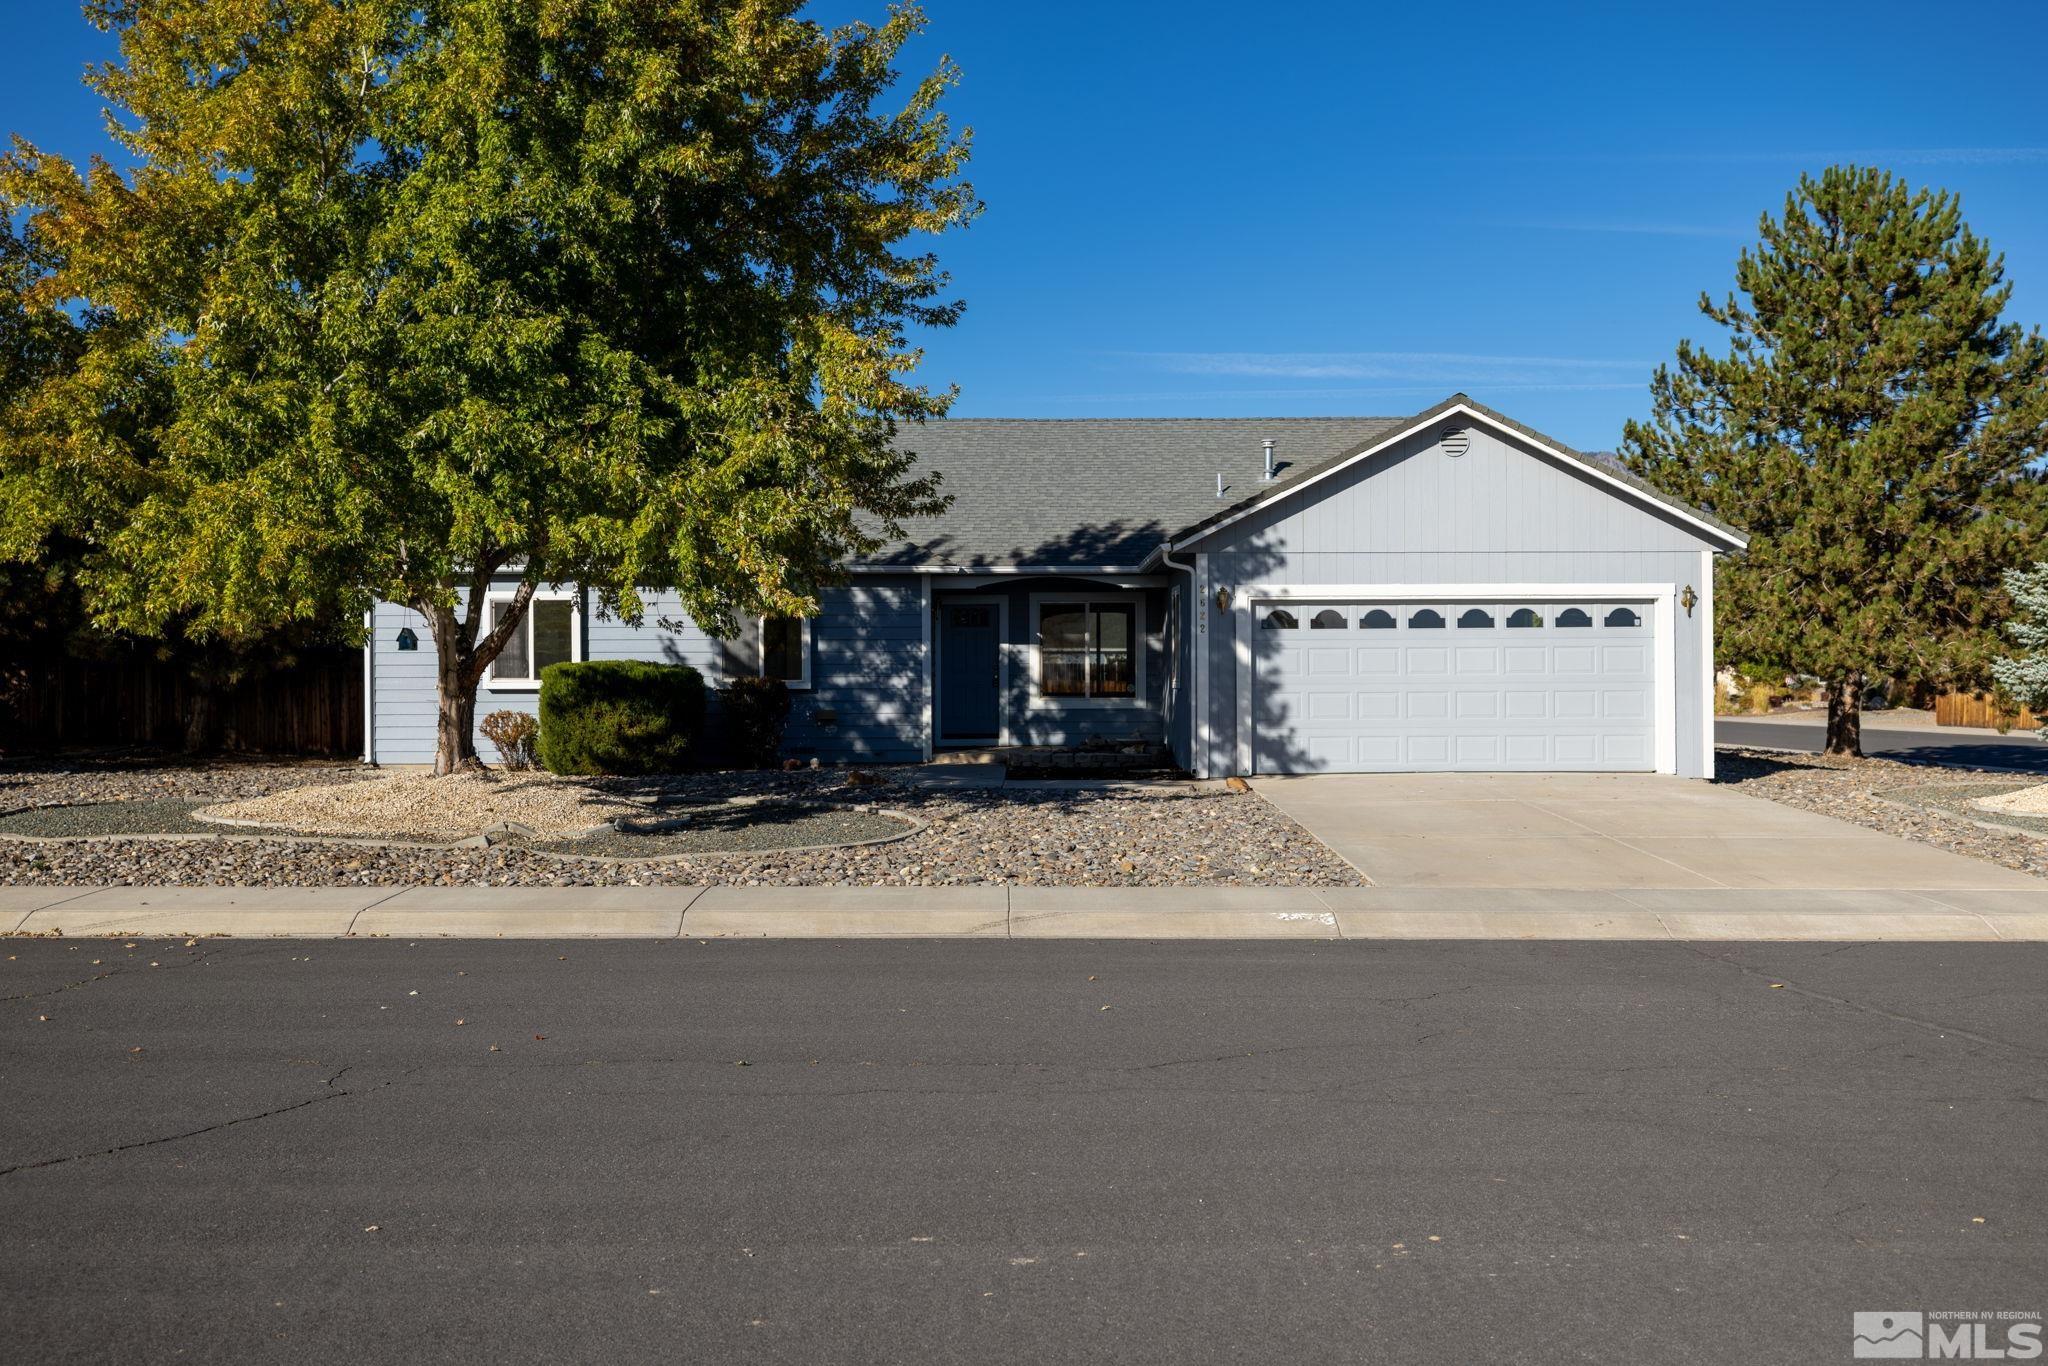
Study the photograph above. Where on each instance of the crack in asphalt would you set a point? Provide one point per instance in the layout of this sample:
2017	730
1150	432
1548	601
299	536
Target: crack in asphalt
1917	1021
204	955
205	1129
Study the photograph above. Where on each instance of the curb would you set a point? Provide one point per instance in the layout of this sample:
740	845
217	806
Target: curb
1032	912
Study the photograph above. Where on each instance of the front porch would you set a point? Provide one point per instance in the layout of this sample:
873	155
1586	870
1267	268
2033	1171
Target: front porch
1054	672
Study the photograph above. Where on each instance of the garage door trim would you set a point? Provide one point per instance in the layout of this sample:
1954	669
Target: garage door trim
1661	598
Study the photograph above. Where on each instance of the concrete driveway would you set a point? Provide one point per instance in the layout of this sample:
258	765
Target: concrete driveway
1609	832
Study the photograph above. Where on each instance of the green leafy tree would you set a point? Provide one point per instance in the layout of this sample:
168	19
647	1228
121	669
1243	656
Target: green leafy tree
2025	675
1871	427
607	292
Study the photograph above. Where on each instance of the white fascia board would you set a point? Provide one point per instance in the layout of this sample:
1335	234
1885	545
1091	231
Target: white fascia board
1375	592
1621	486
920	568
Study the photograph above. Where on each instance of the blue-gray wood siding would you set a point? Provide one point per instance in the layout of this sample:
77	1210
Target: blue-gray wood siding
402	681
867	672
867	675
1502	513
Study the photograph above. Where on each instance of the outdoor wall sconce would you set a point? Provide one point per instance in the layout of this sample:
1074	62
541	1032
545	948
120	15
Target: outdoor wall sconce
1687	599
406	639
1223	599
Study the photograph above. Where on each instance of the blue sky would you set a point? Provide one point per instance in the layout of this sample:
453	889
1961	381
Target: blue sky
1210	210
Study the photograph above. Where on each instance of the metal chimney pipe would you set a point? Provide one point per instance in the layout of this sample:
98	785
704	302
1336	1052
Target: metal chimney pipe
1219	483
1270	475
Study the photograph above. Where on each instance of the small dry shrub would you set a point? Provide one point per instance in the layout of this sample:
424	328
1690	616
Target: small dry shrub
514	733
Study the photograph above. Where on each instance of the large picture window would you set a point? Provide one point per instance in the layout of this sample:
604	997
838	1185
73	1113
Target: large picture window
547	636
786	650
1088	649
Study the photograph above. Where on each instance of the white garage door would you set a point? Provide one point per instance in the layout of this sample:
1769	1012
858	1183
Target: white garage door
1361	687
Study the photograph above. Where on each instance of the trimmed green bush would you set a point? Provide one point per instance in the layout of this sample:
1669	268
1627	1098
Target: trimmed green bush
620	716
752	713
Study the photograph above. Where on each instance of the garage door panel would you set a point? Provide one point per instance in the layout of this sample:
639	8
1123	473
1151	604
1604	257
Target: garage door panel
1528	697
1429	706
1375	705
1471	705
1330	705
1427	750
1575	749
1575	704
1379	751
1476	749
1616	704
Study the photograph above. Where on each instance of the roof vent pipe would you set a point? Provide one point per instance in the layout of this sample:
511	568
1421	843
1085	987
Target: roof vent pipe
1219	483
1270	474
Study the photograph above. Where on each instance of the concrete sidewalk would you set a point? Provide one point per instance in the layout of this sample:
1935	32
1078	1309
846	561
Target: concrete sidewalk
1687	913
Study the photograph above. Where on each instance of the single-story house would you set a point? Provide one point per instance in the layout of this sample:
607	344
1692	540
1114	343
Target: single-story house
1448	591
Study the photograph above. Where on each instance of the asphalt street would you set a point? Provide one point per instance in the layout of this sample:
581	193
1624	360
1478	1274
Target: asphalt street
913	1151
2021	749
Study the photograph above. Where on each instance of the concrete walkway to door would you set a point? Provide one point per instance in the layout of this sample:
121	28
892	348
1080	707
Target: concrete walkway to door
1608	832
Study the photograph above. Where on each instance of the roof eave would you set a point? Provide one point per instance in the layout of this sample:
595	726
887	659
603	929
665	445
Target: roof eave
1729	538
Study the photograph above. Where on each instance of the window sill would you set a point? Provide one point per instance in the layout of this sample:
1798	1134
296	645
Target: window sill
1041	702
511	685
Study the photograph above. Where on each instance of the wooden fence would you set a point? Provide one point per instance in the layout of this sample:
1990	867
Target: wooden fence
313	708
1978	709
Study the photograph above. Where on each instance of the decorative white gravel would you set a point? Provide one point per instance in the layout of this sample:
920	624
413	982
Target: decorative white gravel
2027	801
1129	838
422	806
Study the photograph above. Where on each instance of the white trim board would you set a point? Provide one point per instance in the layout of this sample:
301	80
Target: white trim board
1708	664
1511	434
1662	598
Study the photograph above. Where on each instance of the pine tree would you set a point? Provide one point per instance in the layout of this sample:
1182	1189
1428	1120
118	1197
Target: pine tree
1871	427
2025	675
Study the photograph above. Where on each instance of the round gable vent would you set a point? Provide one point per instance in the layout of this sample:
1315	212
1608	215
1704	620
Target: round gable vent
1455	441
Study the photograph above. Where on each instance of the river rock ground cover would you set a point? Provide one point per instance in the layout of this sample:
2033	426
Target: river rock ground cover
1173	835
1927	802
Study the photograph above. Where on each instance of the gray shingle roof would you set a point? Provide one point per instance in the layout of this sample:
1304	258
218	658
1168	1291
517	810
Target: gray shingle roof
1100	491
1107	492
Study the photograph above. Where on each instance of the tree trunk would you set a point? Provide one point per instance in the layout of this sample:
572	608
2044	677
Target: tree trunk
200	712
1845	717
455	725
460	660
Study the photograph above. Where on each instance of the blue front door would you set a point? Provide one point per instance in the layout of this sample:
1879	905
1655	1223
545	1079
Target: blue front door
968	671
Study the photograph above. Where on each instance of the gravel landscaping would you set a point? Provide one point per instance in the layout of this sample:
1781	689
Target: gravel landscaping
737	830
139	816
425	807
1168	836
1968	801
1924	802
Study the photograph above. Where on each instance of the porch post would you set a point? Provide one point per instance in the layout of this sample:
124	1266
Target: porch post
924	586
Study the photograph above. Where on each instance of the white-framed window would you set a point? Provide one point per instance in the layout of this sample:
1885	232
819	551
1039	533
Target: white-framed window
1088	647
552	633
786	650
